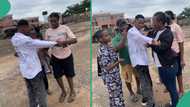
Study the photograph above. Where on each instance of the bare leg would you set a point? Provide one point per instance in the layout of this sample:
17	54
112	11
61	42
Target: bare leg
72	91
129	87
138	85
180	83
61	85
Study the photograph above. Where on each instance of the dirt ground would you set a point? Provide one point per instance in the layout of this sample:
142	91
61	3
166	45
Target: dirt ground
100	96
12	87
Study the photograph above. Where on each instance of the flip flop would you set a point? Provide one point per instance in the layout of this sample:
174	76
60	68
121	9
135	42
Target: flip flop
134	98
62	98
71	98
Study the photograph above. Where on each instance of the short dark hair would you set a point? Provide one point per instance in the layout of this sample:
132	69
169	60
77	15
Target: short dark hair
170	14
161	16
22	22
98	34
139	16
121	22
54	14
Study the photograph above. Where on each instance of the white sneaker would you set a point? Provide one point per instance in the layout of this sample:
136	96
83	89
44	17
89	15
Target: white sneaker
143	103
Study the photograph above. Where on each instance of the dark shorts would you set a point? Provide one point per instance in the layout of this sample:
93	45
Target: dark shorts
63	67
179	72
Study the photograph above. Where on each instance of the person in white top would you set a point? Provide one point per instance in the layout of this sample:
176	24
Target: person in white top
61	57
30	67
139	58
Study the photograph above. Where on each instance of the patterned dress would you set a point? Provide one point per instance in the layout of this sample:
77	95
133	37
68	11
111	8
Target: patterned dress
112	80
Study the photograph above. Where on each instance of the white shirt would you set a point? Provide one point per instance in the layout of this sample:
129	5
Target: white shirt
156	60
136	45
27	49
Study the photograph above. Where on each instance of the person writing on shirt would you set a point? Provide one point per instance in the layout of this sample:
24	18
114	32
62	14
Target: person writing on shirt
178	46
30	67
108	63
62	57
164	56
119	42
139	58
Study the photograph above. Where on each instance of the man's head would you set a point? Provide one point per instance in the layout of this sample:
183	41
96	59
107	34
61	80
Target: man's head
54	20
23	27
122	25
139	21
170	14
159	20
103	36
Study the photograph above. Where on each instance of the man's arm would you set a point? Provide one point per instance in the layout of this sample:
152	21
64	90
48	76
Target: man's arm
181	48
111	66
72	38
40	43
165	43
141	37
122	41
69	42
180	39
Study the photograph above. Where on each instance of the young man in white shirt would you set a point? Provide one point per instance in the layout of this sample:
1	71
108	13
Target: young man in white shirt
61	57
30	67
139	58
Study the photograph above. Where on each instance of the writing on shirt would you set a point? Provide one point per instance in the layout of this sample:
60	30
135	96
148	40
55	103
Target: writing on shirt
57	36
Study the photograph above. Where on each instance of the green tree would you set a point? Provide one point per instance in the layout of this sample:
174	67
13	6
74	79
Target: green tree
77	8
185	14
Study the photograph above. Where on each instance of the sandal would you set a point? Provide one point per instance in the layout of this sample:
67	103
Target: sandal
62	98
71	98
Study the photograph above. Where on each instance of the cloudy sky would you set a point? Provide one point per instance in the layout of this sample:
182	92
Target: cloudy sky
133	7
28	8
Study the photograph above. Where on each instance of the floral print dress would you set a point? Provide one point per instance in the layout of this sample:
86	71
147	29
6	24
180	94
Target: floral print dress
105	57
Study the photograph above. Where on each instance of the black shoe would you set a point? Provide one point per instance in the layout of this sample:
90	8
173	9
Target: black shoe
144	102
153	105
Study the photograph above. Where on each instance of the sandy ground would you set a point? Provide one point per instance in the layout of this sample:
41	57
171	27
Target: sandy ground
12	87
100	95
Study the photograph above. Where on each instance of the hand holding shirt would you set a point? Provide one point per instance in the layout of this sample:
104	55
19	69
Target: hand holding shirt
137	47
64	33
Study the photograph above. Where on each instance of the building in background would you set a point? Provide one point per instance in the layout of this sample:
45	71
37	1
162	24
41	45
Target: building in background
105	20
8	25
7	21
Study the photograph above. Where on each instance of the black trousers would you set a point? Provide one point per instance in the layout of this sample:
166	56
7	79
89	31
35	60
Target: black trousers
46	84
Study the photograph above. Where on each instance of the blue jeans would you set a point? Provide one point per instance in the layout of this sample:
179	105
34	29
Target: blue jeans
168	77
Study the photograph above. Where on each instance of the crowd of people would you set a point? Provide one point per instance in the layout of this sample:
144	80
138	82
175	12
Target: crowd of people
37	52
127	52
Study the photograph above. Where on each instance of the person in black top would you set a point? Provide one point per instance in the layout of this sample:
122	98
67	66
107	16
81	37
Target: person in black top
164	56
